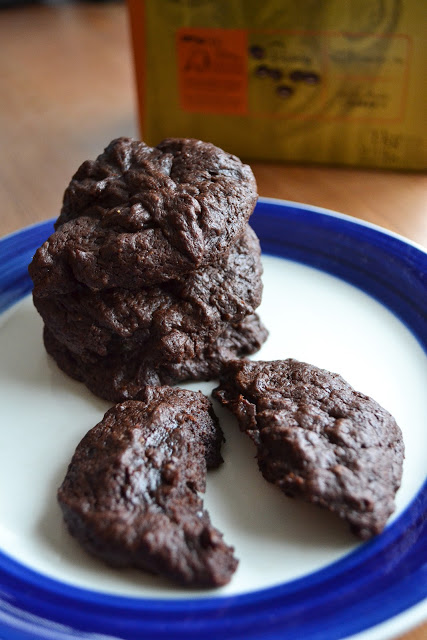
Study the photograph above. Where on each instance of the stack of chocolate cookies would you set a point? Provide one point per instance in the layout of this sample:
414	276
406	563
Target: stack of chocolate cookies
152	275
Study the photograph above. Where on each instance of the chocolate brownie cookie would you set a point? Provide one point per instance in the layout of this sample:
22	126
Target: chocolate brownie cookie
131	492
177	357
138	215
318	439
113	320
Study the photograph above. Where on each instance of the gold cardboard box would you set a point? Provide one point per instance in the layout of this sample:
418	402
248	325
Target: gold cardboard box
304	81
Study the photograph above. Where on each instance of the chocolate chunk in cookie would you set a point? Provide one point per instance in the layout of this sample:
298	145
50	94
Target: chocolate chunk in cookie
318	439
139	215
131	492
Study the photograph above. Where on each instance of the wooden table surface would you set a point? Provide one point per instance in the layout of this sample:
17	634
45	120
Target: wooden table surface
66	89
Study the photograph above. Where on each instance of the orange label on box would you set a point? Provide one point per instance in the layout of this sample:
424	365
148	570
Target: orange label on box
303	75
212	70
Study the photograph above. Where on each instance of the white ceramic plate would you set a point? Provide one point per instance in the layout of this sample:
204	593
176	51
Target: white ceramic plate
340	294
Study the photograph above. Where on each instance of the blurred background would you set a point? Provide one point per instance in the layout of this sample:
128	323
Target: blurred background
67	87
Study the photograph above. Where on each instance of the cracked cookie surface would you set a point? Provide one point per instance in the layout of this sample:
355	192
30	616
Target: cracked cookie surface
317	438
131	492
122	375
110	320
139	215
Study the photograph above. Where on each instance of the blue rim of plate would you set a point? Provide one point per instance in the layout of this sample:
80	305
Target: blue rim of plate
377	581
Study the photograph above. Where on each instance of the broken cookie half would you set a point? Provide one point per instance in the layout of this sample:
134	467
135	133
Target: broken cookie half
131	492
317	438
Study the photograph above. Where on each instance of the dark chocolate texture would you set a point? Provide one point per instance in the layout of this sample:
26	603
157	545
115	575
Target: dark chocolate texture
153	274
176	312
317	438
139	215
131	492
122	375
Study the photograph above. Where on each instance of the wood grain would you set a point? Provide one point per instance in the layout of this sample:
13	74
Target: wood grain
66	89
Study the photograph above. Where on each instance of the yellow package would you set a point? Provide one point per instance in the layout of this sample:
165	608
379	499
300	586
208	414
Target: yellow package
332	81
